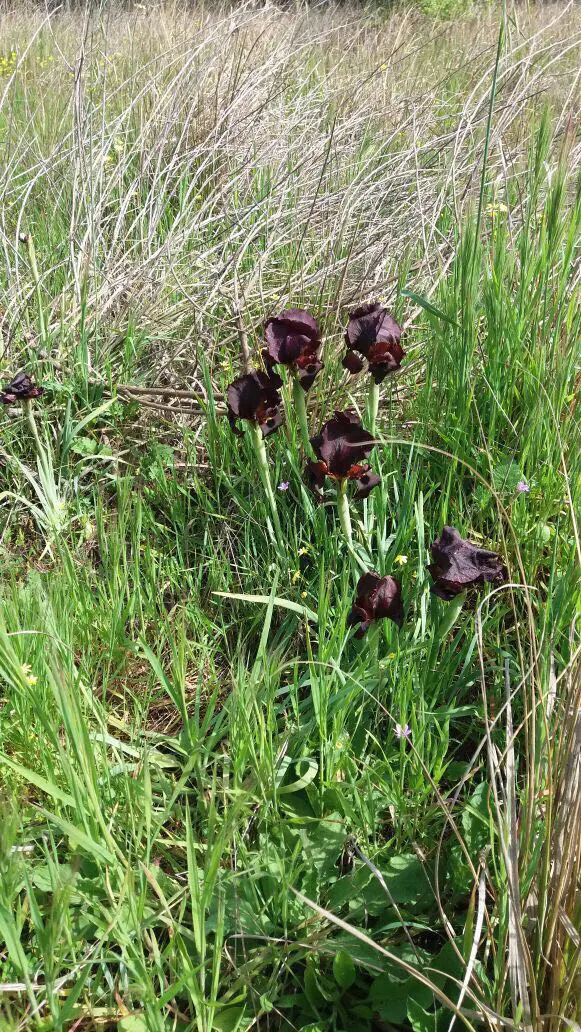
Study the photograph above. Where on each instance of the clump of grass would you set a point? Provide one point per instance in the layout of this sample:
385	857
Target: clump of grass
222	809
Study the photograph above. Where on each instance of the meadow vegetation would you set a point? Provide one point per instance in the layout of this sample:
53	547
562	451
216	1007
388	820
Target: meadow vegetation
221	809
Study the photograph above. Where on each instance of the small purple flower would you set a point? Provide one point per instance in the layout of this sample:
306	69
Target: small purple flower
284	486
523	487
403	732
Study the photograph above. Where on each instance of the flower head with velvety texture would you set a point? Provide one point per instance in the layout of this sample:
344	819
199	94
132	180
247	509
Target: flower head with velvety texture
342	449
21	388
255	397
377	598
293	339
343	445
365	483
459	564
373	333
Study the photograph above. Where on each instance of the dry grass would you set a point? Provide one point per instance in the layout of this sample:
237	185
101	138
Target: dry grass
185	157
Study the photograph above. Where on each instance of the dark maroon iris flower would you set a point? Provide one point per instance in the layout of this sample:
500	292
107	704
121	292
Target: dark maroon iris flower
374	334
458	565
377	598
293	339
342	449
343	445
255	397
21	388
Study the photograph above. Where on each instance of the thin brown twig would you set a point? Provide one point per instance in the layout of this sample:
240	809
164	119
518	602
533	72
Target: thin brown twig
169	392
159	407
242	335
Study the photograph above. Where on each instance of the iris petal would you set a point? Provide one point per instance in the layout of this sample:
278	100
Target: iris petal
377	598
315	473
343	443
459	564
365	484
352	363
255	397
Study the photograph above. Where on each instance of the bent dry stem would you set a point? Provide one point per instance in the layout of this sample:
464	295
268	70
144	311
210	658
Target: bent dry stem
36	278
264	470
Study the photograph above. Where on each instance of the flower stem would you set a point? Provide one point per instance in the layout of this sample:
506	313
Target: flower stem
344	514
300	401
264	470
373	405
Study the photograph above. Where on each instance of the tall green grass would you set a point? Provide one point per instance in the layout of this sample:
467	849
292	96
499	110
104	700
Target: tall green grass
209	821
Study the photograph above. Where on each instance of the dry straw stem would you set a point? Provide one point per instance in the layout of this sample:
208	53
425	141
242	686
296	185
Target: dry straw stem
541	979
